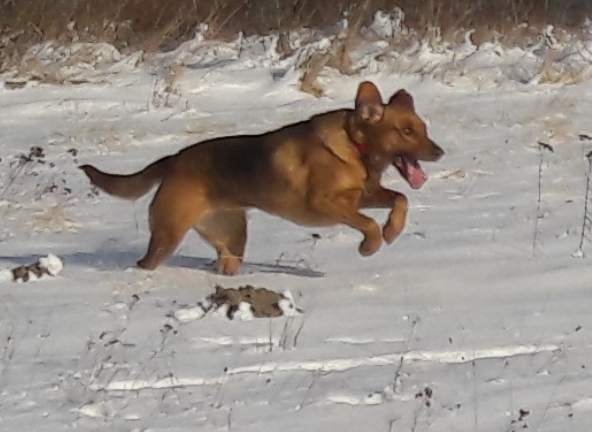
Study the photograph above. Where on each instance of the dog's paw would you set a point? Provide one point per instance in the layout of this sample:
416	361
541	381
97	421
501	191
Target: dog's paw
391	231
370	245
146	264
228	265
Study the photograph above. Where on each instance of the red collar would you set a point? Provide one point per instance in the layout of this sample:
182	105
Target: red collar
361	148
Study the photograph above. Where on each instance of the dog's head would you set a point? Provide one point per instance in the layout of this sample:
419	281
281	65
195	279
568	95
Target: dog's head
391	133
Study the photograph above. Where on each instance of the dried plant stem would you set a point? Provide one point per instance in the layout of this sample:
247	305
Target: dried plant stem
586	219
542	148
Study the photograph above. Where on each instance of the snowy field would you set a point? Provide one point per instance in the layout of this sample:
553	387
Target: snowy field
478	318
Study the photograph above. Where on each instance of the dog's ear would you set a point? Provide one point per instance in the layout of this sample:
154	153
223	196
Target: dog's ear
369	103
402	98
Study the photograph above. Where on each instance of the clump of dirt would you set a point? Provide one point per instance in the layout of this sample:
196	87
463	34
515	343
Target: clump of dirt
243	303
47	266
264	303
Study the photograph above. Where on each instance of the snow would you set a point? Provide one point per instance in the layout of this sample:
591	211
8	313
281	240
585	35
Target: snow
6	276
244	312
191	313
288	305
52	263
476	319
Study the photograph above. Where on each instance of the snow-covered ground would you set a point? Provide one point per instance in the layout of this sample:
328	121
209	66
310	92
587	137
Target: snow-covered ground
477	319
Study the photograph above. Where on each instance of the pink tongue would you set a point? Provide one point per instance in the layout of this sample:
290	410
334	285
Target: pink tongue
413	173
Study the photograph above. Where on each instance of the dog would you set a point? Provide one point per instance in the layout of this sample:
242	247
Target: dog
318	172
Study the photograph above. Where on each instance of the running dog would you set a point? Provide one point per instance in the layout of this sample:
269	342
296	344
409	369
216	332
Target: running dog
318	172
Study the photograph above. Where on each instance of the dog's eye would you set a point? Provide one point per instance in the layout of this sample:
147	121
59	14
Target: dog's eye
407	131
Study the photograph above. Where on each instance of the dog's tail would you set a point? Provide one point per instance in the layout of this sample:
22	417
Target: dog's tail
131	186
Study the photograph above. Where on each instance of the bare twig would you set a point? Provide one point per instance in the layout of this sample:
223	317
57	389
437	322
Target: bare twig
541	146
587	218
476	403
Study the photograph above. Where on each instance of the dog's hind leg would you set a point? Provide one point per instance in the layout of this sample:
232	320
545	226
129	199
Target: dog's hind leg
226	231
175	208
380	197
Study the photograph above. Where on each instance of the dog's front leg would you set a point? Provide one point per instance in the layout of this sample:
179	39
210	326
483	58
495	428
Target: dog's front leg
342	207
379	197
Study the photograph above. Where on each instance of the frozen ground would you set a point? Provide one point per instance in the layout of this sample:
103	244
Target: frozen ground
476	319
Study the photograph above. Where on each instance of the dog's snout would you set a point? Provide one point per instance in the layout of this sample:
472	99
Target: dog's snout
438	152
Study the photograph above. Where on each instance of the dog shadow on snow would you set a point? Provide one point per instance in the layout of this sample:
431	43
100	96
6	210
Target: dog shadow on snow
121	260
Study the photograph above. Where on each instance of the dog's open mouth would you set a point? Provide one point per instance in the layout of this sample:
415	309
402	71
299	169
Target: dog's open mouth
410	170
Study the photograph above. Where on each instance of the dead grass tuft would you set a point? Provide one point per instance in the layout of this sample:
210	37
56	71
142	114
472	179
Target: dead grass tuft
156	25
312	68
551	75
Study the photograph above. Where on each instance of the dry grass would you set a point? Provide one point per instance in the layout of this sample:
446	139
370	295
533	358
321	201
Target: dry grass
311	70
161	25
549	73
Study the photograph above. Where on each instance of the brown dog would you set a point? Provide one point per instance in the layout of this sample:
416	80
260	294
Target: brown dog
318	172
